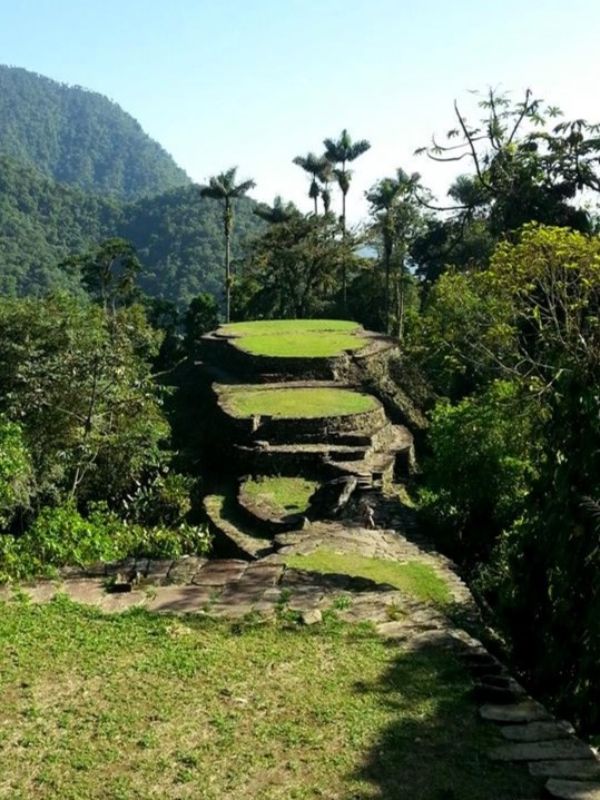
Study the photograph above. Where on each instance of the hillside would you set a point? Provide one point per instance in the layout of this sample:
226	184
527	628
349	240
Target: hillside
80	138
178	234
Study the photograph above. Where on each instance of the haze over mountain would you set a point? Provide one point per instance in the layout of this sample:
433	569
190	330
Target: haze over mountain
80	138
76	169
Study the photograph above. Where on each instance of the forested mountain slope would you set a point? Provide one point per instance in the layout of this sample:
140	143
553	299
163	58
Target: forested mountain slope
178	234
81	138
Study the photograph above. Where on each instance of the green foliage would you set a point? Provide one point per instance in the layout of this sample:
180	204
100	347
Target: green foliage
200	318
15	471
294	269
80	138
79	382
166	500
61	536
480	468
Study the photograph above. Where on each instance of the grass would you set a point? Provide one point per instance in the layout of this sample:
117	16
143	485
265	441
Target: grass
137	706
293	403
296	338
415	578
297	326
280	496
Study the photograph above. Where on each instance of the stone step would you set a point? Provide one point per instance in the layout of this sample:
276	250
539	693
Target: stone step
230	538
562	750
573	790
525	711
576	769
537	731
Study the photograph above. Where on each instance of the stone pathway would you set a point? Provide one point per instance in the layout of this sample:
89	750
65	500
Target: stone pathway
233	588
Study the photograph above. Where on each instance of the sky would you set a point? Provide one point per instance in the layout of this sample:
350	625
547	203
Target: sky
254	83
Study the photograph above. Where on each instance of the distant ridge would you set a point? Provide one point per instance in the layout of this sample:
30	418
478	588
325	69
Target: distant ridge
80	138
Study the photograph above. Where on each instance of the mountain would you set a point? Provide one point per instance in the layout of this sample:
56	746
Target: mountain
80	138
178	234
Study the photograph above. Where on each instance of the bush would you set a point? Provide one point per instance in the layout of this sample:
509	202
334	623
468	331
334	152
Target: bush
15	472
167	500
480	468
61	536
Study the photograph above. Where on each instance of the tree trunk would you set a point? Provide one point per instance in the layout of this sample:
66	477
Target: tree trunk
344	287
227	226
387	259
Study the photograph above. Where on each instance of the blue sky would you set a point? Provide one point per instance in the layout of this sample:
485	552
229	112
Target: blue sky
256	82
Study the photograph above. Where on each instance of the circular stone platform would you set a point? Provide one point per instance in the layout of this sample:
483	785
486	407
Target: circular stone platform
294	403
289	338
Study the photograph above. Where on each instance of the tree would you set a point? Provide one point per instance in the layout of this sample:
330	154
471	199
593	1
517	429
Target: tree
201	317
396	216
224	188
293	269
523	170
278	212
315	167
108	272
78	381
340	152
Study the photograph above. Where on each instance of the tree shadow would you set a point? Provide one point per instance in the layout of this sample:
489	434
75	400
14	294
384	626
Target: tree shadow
436	747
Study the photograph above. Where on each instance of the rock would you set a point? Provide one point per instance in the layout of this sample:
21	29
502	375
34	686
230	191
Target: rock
562	749
488	692
576	769
525	711
312	616
573	790
331	497
537	731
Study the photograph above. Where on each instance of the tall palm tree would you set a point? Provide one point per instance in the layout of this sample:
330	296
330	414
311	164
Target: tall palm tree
314	165
340	152
395	214
223	187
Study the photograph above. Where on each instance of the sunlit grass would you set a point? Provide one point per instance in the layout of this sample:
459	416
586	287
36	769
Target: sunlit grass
279	496
293	403
296	338
413	577
276	326
137	706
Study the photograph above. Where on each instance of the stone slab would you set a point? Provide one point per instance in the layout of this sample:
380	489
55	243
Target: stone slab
537	731
573	790
118	603
563	749
184	569
576	769
90	591
180	599
525	711
42	592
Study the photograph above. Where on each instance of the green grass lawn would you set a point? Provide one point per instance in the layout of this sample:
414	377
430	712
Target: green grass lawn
296	338
280	496
280	326
415	578
310	402
137	706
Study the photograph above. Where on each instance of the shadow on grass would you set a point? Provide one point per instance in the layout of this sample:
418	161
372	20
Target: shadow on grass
436	748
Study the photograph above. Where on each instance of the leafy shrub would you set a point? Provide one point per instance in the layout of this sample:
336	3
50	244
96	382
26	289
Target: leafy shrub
167	500
480	468
61	536
15	471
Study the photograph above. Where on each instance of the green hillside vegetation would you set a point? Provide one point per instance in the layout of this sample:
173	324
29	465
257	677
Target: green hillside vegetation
310	402
80	138
177	235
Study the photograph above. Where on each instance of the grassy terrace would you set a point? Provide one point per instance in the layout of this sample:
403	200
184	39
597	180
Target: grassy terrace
291	338
248	401
280	496
137	706
415	578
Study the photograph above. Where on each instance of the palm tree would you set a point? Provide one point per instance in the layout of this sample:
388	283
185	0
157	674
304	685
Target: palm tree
277	213
223	187
340	153
314	165
393	208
